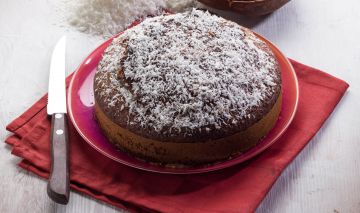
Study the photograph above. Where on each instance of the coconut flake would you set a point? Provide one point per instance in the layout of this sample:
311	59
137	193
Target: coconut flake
188	71
109	17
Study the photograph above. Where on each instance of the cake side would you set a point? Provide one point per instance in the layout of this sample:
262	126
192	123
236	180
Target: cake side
187	154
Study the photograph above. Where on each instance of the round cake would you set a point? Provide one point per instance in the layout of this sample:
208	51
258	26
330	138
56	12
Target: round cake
187	89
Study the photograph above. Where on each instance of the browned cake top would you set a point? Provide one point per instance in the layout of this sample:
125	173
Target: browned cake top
187	77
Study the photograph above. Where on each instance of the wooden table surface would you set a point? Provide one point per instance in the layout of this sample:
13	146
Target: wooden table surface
325	34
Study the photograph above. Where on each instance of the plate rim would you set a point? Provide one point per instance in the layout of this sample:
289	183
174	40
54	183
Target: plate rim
196	170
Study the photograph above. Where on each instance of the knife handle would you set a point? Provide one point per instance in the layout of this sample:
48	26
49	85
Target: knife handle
58	185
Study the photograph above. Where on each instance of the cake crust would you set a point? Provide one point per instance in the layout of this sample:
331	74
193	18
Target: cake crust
186	154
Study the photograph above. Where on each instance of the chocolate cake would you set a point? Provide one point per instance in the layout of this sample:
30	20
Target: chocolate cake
187	89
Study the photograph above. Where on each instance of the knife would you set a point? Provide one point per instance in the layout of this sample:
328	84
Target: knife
58	185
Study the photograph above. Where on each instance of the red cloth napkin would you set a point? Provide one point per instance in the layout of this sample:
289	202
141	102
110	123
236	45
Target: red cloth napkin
238	188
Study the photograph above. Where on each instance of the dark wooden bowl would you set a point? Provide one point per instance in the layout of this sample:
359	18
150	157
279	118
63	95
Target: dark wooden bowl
246	7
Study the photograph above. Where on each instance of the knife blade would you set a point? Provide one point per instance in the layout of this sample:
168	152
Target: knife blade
58	184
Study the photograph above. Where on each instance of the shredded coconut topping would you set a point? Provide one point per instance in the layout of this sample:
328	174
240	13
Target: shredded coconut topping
108	17
187	72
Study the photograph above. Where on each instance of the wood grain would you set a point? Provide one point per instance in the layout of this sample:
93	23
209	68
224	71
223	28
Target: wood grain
58	184
321	33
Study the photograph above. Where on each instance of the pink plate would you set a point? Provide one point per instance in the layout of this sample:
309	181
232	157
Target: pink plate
81	111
